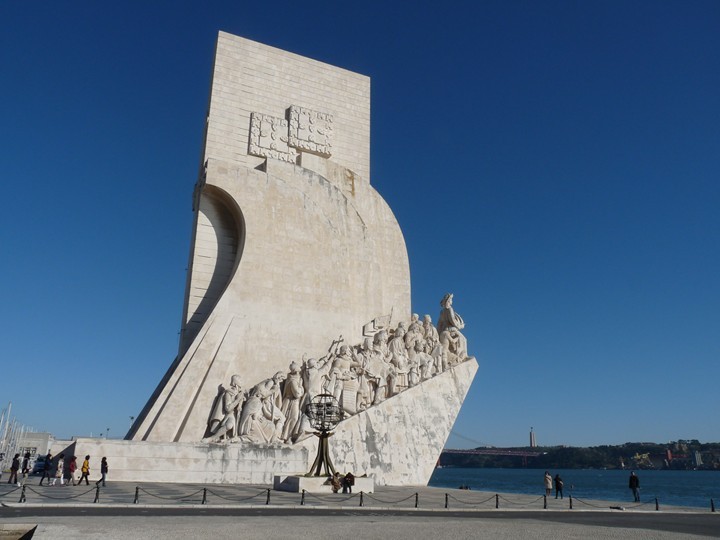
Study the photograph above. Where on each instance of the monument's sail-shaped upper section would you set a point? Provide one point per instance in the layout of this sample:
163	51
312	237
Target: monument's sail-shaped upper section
292	246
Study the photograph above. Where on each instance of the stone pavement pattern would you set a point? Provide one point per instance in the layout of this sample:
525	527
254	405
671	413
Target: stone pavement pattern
354	526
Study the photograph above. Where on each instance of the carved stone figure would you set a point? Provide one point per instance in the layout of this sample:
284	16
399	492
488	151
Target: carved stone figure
262	419
293	392
365	393
432	337
357	377
225	415
414	333
425	362
379	370
342	382
449	325
399	357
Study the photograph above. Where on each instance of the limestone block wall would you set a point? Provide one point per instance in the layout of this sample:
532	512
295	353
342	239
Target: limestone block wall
252	77
132	461
313	262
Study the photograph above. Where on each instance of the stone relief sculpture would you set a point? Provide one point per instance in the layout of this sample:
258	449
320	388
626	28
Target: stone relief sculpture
269	138
293	392
310	130
225	413
358	377
262	419
449	326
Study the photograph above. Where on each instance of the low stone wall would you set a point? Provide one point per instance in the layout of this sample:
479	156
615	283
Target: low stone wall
209	463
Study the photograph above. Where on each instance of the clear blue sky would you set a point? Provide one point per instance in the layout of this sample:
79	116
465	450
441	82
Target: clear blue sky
554	164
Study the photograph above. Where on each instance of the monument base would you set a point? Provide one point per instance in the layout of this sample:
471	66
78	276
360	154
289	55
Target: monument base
408	432
317	484
201	463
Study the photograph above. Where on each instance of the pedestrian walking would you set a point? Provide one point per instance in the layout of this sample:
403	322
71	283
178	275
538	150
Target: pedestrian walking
103	471
634	485
14	468
85	470
47	467
25	467
71	468
59	470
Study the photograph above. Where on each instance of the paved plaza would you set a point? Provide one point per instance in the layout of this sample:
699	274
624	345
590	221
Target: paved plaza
177	510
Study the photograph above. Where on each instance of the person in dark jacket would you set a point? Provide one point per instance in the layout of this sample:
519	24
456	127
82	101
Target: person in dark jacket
103	471
634	484
558	486
348	482
47	467
14	468
25	466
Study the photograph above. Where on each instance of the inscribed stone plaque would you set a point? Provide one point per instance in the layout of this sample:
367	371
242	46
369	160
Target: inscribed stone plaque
310	130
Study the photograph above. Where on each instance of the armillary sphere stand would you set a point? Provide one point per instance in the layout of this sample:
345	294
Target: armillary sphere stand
324	414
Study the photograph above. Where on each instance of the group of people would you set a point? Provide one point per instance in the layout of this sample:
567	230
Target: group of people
55	469
345	482
15	467
551	482
633	484
386	363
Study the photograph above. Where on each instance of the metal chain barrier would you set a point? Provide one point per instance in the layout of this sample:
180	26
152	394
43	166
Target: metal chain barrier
170	498
28	488
522	505
629	507
413	496
334	497
11	491
477	503
235	499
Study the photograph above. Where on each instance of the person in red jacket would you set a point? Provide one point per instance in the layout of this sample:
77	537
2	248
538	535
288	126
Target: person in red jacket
72	467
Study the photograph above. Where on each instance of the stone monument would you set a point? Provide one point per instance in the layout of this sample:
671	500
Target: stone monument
298	285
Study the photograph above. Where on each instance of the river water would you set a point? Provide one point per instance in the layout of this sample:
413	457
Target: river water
678	488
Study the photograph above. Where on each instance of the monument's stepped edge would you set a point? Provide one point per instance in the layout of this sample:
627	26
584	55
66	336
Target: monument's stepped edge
396	442
292	247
